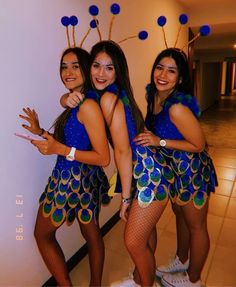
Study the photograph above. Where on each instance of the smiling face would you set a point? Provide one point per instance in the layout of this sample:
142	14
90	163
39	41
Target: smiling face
166	76
102	71
71	74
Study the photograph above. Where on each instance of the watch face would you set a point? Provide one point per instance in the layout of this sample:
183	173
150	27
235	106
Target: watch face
162	143
69	157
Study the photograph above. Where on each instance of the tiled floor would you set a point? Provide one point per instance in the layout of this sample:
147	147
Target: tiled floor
220	267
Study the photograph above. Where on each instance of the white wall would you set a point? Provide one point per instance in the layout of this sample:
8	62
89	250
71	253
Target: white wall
32	40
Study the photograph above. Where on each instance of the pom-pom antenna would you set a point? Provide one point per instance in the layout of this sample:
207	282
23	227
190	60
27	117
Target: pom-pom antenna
183	19
161	21
93	10
65	21
142	35
73	21
205	30
115	10
93	24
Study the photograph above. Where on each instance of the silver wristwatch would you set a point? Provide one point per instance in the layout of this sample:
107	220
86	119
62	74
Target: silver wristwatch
71	154
162	143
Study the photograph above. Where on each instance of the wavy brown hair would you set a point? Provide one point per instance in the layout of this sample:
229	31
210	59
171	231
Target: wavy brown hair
122	76
84	61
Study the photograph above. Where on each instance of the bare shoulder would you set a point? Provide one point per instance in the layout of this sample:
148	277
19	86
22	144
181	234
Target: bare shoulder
111	106
179	111
89	110
108	98
110	103
89	104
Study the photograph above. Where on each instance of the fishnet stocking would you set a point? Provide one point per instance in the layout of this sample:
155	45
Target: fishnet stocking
138	235
152	244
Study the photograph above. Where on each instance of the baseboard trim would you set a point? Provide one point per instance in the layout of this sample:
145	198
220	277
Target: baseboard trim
82	252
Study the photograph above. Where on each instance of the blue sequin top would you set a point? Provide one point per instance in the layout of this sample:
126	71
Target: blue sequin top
161	124
75	135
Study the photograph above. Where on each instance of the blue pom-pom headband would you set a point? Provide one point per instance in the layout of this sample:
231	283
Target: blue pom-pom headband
115	10
94	11
183	19
66	22
73	21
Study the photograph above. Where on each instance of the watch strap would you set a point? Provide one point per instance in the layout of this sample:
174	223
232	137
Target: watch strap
71	154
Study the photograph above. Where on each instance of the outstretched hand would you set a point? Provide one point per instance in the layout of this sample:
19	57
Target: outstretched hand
74	99
147	138
47	146
32	118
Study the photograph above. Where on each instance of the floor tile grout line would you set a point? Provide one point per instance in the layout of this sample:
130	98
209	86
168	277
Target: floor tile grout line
219	234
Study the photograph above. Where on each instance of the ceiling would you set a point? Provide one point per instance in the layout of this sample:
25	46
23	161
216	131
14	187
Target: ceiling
223	34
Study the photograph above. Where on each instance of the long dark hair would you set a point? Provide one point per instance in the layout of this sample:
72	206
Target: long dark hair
181	60
122	76
84	61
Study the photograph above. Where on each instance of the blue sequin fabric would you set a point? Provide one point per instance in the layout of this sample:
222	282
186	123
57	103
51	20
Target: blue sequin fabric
152	177
195	176
74	189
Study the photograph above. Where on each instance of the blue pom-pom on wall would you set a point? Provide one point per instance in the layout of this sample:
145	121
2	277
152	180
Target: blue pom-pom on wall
161	21
115	9
93	10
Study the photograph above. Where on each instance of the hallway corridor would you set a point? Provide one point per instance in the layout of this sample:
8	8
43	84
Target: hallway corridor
219	125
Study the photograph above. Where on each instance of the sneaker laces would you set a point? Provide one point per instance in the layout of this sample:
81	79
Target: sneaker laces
173	262
181	278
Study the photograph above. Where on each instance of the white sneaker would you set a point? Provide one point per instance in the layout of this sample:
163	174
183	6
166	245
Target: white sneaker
126	282
178	280
175	265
